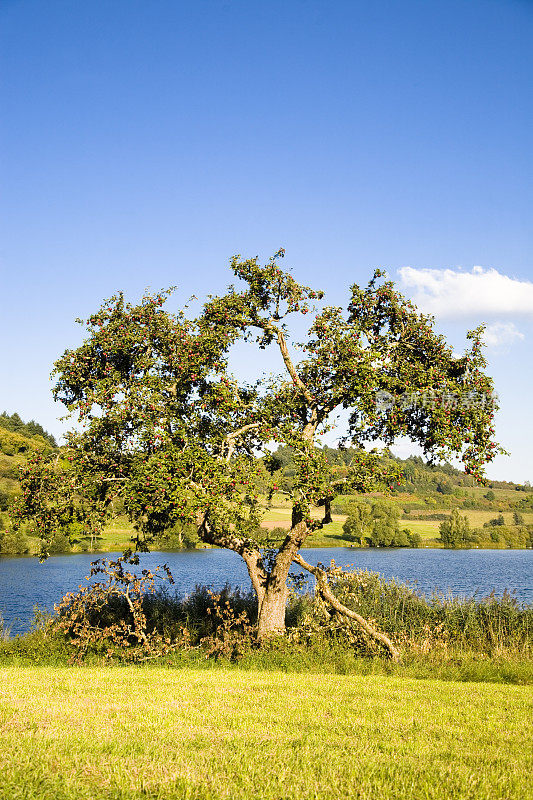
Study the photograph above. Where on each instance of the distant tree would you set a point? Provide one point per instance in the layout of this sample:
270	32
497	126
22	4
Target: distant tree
358	525
162	424
14	423
454	532
377	525
444	487
415	540
385	528
518	518
490	495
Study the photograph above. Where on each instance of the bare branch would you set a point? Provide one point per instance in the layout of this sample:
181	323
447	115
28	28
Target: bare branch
327	594
231	437
282	343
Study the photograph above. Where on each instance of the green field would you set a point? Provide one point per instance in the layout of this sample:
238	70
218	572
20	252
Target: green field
331	535
117	535
76	733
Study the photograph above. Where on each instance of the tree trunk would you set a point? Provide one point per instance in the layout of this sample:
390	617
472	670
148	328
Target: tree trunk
271	612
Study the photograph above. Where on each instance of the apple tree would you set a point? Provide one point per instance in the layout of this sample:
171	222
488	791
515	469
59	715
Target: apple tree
163	425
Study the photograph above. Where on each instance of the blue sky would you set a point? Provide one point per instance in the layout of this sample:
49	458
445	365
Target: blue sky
143	143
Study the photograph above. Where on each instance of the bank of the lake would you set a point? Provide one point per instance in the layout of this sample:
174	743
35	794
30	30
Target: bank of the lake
24	583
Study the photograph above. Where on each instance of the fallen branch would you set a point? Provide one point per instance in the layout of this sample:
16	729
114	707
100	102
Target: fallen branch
327	594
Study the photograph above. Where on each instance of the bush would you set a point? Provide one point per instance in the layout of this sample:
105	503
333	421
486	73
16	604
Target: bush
138	622
499	520
13	543
5	499
489	626
60	544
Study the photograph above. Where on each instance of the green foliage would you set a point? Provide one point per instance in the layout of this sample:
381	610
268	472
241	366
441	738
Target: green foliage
13	542
180	537
13	443
110	622
415	540
377	525
358	525
455	531
439	483
445	625
167	431
5	499
385	529
503	536
28	430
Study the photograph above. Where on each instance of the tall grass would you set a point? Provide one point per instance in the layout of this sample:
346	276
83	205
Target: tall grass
5	630
491	626
463	639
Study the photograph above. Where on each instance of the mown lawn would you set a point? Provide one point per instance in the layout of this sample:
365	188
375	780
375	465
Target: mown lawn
152	732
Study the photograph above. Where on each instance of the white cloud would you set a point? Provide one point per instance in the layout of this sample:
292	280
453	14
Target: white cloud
480	293
499	334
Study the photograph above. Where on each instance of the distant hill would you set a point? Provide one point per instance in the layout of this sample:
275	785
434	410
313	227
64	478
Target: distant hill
17	440
419	476
29	429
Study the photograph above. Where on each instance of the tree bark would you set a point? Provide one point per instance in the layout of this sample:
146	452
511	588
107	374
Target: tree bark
271	613
327	594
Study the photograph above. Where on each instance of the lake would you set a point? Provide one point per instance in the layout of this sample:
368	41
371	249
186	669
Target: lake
25	583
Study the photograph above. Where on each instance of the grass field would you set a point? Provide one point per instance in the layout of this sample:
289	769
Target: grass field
331	535
79	733
117	535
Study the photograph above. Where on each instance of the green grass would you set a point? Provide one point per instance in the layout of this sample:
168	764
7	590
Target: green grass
117	535
332	535
427	528
76	733
478	518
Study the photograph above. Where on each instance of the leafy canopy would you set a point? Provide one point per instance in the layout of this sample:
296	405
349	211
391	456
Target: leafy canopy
165	426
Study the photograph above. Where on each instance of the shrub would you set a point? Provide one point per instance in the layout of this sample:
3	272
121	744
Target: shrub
489	626
108	617
13	543
499	520
125	617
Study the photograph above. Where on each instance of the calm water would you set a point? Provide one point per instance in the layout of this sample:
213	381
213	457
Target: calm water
25	583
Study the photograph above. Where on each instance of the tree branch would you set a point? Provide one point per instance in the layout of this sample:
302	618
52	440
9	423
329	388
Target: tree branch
327	594
282	343
251	555
231	437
